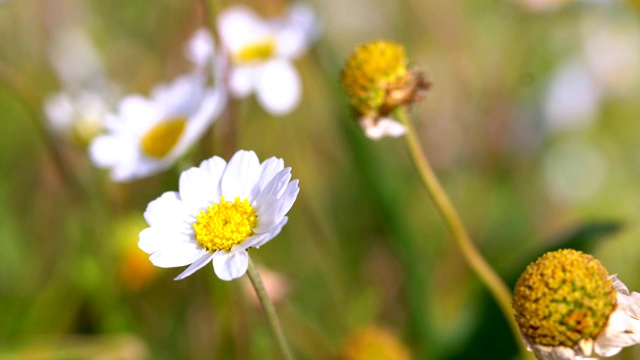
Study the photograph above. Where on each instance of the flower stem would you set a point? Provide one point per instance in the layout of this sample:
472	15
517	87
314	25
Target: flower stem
269	311
470	253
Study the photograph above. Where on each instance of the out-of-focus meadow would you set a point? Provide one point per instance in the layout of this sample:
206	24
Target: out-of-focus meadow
532	125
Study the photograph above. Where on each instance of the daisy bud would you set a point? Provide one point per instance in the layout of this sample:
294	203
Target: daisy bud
568	307
377	80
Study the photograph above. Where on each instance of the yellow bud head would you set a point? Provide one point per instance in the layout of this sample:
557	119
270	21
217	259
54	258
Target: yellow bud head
564	297
377	79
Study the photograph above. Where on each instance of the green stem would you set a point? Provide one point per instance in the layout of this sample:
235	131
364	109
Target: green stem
470	253
269	311
31	98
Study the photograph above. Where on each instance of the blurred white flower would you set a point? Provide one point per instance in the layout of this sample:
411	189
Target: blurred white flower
261	53
220	210
76	60
148	135
573	97
80	118
542	5
611	51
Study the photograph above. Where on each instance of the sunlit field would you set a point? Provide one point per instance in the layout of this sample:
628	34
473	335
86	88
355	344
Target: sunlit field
123	125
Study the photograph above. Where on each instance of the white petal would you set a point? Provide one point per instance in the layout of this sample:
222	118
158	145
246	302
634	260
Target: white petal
264	238
159	239
197	265
288	198
215	167
278	87
230	265
210	106
291	42
134	166
241	176
268	169
177	256
242	81
167	209
376	129
266	203
201	48
136	114
239	26
182	97
59	111
107	150
198	188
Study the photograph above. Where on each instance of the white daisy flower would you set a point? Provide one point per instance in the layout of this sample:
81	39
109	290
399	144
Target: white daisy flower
220	210
261	52
568	308
148	135
80	117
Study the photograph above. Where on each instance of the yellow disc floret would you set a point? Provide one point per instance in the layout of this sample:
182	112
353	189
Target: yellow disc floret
564	297
162	137
372	71
225	224
257	51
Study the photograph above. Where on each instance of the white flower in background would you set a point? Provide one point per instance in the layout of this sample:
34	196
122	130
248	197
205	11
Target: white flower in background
80	118
572	98
543	5
76	61
220	210
148	135
611	51
261	53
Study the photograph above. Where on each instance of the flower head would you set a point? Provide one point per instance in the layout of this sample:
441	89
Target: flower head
80	118
261	53
568	307
377	80
148	135
220	210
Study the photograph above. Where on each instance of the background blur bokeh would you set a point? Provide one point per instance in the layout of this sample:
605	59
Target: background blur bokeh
532	125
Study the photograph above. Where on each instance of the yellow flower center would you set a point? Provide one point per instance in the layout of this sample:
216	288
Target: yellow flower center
162	137
256	51
564	297
223	225
372	71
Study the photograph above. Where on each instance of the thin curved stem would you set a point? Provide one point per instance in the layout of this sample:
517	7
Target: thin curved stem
470	253
269	312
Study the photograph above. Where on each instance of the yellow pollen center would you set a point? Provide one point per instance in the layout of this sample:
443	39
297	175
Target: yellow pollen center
371	72
256	51
226	224
564	297
162	137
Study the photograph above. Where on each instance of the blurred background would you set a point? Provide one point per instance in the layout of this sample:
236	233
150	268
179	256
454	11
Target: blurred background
532	125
